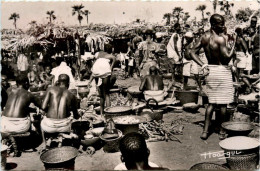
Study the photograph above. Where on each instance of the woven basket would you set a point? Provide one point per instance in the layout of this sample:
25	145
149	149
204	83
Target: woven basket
112	145
60	158
208	166
243	162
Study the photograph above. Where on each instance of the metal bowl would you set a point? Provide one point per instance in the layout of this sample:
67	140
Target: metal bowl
118	109
191	107
238	128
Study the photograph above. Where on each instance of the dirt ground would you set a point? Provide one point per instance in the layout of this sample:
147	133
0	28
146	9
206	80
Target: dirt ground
172	154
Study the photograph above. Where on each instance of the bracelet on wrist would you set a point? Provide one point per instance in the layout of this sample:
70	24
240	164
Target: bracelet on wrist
204	65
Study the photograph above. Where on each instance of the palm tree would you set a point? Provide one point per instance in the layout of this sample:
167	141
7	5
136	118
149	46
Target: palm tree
215	3
86	13
225	6
201	8
176	13
186	17
168	17
78	9
15	17
33	23
51	15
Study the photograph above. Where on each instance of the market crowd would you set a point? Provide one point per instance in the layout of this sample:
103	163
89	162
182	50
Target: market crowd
215	58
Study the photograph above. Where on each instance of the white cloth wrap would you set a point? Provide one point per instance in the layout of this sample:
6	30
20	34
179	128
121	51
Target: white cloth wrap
15	125
241	60
101	69
51	125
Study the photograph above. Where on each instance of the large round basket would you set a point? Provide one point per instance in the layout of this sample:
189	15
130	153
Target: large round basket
208	166
243	162
238	128
240	144
242	153
112	145
59	158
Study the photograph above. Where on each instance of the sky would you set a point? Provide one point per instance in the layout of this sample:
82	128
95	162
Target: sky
104	12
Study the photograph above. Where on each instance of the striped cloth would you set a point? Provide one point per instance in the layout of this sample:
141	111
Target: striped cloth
219	85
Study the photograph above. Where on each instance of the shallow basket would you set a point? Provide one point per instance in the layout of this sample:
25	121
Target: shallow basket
59	158
243	162
208	166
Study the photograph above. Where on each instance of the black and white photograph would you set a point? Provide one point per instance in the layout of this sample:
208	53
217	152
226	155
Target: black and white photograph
130	85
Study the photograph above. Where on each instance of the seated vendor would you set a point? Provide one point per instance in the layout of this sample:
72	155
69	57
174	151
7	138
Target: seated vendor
153	81
15	117
135	153
33	76
46	77
59	103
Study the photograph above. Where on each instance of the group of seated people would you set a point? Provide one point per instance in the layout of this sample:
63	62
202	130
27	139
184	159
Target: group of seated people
59	107
40	80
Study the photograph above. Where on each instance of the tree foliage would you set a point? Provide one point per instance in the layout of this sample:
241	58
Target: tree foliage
78	9
176	13
202	8
244	14
167	16
15	17
51	16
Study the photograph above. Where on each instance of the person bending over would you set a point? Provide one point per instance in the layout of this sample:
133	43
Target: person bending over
101	71
135	153
153	81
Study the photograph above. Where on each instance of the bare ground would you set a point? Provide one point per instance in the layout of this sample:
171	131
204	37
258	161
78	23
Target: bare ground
172	154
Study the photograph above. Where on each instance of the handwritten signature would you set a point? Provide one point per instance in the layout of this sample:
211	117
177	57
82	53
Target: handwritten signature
219	154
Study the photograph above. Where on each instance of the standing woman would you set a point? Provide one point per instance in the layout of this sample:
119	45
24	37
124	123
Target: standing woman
101	71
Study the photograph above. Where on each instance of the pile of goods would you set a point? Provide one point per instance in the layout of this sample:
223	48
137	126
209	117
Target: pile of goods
120	74
127	120
118	100
96	132
160	131
89	115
